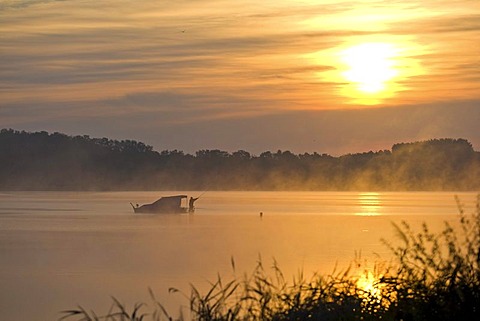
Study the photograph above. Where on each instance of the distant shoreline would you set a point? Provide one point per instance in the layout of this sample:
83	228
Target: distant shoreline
56	162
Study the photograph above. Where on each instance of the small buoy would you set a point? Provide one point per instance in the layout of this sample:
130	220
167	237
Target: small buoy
261	214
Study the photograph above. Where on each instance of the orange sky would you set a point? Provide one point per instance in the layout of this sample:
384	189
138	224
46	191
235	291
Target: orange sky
297	75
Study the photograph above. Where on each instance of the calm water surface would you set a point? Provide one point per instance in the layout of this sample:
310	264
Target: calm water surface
60	249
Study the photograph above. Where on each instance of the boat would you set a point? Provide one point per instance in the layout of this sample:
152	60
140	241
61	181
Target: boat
165	205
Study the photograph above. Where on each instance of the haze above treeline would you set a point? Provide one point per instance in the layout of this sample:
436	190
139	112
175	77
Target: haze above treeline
55	161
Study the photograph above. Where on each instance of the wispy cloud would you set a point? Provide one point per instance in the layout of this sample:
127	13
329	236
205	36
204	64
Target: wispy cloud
190	61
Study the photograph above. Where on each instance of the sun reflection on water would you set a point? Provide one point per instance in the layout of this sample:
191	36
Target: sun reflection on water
369	204
369	283
372	287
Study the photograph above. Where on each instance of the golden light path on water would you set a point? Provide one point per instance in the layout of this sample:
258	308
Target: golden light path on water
370	204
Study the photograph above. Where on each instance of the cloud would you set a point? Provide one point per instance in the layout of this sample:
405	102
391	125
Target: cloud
239	75
82	45
171	121
92	57
22	4
341	131
465	22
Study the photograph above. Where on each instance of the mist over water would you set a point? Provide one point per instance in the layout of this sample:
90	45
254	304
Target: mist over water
59	249
57	162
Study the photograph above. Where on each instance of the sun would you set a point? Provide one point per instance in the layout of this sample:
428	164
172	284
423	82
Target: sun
371	71
370	66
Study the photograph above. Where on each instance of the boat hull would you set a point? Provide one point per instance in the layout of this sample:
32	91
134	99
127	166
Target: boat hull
164	205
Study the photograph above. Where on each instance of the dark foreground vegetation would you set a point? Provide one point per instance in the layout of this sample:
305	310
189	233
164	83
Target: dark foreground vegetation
432	277
43	161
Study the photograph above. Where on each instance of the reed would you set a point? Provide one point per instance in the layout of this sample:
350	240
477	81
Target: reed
434	276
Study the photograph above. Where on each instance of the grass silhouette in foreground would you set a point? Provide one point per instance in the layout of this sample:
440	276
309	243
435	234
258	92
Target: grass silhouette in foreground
434	276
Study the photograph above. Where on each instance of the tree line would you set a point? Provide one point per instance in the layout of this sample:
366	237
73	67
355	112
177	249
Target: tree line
55	161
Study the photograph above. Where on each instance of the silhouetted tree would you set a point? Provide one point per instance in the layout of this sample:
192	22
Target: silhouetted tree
43	161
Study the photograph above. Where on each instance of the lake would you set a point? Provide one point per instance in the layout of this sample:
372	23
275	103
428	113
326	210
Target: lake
60	249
